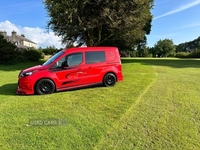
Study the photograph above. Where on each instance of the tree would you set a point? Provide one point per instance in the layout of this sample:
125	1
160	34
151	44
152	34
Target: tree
195	53
8	51
100	22
50	50
164	48
189	46
181	47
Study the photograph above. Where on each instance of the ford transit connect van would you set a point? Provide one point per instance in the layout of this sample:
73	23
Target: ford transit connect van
72	68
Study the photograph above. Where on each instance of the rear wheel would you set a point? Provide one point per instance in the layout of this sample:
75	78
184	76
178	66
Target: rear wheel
45	86
109	79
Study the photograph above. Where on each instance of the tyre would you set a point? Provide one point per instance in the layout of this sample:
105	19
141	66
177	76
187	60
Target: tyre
109	79
44	86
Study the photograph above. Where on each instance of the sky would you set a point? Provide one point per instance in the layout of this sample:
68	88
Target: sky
178	20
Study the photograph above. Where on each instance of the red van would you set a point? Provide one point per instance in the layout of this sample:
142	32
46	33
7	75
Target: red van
72	68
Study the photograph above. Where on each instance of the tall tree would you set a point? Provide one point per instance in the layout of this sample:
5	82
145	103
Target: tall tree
164	48
100	22
189	46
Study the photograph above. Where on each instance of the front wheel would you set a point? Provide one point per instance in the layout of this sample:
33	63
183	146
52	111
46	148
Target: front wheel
109	79
45	86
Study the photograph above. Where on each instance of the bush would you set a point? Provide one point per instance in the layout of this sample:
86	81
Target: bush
33	55
50	50
124	54
195	54
21	59
8	52
182	54
149	55
132	53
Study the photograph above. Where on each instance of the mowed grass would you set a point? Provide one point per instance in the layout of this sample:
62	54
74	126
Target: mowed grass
157	106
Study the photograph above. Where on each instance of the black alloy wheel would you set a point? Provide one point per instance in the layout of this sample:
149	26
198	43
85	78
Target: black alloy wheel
109	79
45	86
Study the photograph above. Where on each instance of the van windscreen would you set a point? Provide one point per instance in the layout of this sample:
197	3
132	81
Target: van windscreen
54	57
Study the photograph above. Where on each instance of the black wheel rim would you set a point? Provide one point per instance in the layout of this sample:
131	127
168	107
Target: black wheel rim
45	87
110	80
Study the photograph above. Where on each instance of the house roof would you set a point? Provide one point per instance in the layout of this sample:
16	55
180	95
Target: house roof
21	38
17	37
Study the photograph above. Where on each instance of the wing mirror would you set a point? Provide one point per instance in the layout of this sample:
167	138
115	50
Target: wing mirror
64	64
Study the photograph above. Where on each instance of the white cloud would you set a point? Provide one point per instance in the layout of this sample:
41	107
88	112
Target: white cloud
37	35
191	25
181	8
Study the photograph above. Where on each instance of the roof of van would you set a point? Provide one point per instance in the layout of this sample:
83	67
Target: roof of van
93	48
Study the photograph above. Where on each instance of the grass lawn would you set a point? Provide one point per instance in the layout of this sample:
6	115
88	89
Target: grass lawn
157	106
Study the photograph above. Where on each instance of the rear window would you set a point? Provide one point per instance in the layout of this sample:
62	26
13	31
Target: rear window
95	57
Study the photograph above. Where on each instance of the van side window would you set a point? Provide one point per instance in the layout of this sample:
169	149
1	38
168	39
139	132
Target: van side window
95	57
74	59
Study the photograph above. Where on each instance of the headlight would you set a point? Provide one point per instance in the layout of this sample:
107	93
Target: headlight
23	74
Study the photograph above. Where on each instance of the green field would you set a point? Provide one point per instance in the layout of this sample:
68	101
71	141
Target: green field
157	106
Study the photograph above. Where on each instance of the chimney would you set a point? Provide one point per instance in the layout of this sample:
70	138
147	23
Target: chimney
22	35
14	34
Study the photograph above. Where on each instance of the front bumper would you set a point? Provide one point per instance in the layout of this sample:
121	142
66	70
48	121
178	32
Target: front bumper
25	87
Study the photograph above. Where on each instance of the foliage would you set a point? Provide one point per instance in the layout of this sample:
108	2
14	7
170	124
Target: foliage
164	48
33	55
11	54
189	46
100	22
182	54
143	52
124	54
133	53
184	50
8	52
50	50
181	48
136	53
195	53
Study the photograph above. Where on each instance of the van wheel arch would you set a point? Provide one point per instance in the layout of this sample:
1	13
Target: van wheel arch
44	86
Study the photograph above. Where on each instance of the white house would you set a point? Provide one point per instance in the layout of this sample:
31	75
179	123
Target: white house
18	40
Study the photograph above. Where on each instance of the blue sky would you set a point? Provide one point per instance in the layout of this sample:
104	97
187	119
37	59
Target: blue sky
178	20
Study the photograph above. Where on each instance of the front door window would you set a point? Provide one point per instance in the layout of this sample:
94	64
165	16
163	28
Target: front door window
74	59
